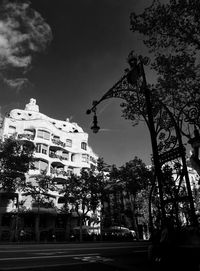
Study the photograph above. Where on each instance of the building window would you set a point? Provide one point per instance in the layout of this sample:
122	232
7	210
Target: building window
43	134
12	130
41	148
41	165
55	137
84	146
65	155
69	172
29	132
73	157
68	143
85	158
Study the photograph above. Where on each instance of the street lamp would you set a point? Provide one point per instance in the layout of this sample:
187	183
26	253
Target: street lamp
95	128
135	79
137	71
132	76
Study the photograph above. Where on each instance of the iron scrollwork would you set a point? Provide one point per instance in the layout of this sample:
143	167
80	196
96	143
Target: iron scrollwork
192	114
167	126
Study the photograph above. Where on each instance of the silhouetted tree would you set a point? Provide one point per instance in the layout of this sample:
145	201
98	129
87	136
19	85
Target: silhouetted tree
136	177
81	193
171	32
40	192
15	160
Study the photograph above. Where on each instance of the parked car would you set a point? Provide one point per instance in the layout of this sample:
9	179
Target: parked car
88	233
119	233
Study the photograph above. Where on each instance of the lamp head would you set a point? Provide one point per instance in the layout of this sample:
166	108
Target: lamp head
88	112
95	128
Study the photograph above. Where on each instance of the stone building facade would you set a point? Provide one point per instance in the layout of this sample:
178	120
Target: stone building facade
61	148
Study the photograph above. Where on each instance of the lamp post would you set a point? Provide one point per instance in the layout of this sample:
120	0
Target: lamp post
135	77
135	73
138	65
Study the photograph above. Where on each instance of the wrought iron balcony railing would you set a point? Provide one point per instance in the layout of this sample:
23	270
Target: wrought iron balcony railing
26	136
58	142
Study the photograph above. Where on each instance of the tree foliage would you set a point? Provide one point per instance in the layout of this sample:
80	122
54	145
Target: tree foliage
171	32
170	24
41	190
16	158
81	193
129	185
135	174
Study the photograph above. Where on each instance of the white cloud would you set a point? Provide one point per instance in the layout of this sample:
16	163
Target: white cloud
16	83
23	32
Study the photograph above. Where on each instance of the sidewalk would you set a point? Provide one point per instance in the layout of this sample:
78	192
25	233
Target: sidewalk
65	242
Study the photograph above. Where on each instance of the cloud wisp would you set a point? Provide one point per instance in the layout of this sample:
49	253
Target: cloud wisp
23	34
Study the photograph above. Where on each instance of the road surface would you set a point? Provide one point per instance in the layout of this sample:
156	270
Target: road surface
80	256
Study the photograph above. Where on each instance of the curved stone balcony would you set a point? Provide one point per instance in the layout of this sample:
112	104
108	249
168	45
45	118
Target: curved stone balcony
54	155
58	142
59	173
25	136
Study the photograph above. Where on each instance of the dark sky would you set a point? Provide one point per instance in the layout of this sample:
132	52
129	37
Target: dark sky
91	41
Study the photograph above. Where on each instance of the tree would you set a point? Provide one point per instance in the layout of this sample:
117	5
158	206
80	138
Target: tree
81	194
42	197
136	177
196	193
104	182
135	174
15	158
171	32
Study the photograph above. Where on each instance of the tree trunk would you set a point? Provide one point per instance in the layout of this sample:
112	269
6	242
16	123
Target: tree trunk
81	229
37	227
12	228
149	207
67	226
135	225
1	226
101	222
37	223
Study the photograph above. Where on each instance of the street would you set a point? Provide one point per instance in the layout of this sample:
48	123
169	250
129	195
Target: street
76	256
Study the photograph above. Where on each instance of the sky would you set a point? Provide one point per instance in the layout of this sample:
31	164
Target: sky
80	57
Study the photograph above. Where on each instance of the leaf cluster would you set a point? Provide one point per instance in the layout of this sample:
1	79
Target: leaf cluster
171	32
133	176
171	25
41	190
82	192
15	159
